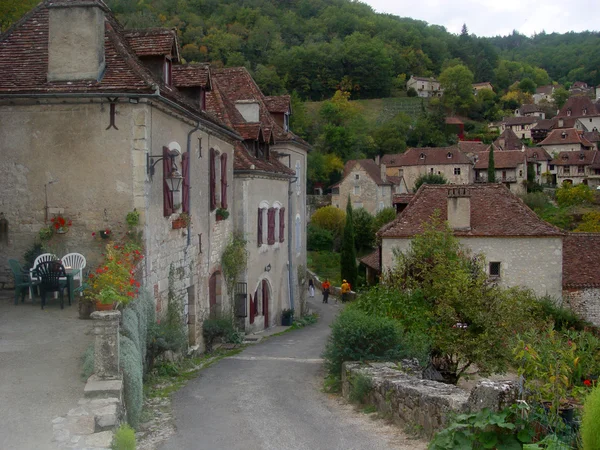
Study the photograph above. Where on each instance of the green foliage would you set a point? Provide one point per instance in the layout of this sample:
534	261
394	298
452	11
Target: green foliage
87	362
287	313
36	249
364	238
411	92
124	438
563	318
348	266
590	432
560	97
234	261
326	264
391	136
132	367
429	178
527	85
133	218
536	200
383	217
491	170
559	217
457	82
318	239
12	10
330	218
505	429
590	223
360	389
220	328
569	195
308	319
357	336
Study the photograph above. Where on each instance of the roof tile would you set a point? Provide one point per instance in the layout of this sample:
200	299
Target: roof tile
581	260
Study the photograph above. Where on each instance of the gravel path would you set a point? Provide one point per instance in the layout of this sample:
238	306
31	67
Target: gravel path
269	398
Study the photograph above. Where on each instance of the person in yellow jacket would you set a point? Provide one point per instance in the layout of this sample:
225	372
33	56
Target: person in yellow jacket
346	288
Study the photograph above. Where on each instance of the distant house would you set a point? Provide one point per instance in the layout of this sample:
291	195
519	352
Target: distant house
450	162
372	263
479	86
519	248
541	130
545	93
456	126
582	108
577	168
540	160
425	87
520	125
566	140
367	185
530	110
511	169
508	140
581	88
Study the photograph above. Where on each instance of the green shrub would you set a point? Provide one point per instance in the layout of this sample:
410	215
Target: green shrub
330	218
326	264
124	438
318	238
559	217
364	238
357	336
133	374
361	387
429	178
222	327
590	429
536	200
36	249
568	195
87	360
386	215
563	318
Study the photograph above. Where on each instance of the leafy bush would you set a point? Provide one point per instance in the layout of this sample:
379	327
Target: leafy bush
326	265
559	217
569	195
536	200
386	215
563	318
364	238
357	336
318	238
590	223
330	218
36	249
133	374
124	438
411	92
429	178
222	327
590	431
361	387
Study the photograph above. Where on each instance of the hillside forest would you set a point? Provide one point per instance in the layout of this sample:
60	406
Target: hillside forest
335	52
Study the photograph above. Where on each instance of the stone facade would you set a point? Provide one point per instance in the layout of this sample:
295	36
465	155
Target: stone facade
532	262
512	178
585	302
425	87
364	192
454	173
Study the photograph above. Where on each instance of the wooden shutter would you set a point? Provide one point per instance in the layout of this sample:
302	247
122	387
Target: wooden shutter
259	228
282	225
185	193
224	181
212	169
252	309
167	194
271	226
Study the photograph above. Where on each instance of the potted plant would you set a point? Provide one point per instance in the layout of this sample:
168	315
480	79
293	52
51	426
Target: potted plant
60	224
222	214
183	221
287	317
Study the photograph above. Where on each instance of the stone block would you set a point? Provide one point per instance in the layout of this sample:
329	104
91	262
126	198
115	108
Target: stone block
98	440
495	395
77	425
98	388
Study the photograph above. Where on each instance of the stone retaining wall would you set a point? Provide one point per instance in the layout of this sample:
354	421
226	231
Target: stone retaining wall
412	401
334	291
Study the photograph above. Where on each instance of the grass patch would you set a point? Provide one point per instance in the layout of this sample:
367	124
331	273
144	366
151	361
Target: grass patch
369	409
332	384
326	265
301	322
361	387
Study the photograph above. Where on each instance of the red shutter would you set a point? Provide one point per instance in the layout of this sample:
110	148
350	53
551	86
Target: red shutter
212	169
167	194
224	181
252	310
259	228
185	194
282	225
271	226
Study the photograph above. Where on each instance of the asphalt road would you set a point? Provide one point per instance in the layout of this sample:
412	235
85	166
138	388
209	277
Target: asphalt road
269	398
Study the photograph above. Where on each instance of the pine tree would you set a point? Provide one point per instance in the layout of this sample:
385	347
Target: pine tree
348	267
491	167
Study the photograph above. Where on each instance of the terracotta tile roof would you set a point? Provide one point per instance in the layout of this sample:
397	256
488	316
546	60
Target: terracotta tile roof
391	160
484	85
565	136
154	42
370	166
546	90
581	260
278	104
504	159
251	131
527	120
576	105
392	179
372	260
245	161
433	80
508	140
544	124
536	154
592	136
495	211
473	146
582	158
431	156
191	75
529	109
453	121
402	198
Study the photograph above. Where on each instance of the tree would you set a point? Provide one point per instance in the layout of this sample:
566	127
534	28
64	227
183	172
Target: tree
330	218
491	171
411	92
364	238
390	136
429	178
527	85
457	82
560	97
349	270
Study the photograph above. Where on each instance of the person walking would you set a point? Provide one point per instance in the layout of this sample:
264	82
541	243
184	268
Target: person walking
311	288
326	285
346	288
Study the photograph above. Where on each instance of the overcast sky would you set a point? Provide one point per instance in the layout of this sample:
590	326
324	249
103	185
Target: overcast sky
499	17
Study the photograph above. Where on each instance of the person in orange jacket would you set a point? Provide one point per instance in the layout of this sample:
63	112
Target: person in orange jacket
346	288
325	286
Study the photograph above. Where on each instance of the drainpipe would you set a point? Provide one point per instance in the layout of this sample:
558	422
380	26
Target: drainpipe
189	189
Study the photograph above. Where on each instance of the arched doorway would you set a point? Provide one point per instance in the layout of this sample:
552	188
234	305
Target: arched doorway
259	303
214	294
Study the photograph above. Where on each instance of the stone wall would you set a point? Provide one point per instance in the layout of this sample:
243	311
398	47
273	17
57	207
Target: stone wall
369	194
334	291
585	302
411	173
314	202
412	401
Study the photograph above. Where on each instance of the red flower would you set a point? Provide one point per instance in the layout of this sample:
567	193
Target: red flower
70	223
107	231
587	382
93	234
62	221
131	281
91	275
52	220
56	225
105	267
131	294
137	284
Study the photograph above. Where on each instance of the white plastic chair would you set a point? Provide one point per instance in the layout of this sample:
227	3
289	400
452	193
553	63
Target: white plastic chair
42	258
75	261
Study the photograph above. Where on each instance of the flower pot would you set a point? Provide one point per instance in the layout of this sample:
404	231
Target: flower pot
104	306
62	230
178	223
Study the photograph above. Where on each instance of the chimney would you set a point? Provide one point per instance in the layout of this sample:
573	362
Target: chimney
382	172
501	143
75	40
459	208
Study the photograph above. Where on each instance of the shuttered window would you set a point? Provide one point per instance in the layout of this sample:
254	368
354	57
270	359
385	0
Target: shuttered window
167	194
282	225
185	194
224	181
271	226
213	187
259	228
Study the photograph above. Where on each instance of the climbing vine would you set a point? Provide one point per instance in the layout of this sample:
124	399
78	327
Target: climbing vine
234	261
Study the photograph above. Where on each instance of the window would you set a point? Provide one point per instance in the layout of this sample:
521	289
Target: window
520	173
504	174
286	122
495	269
271	226
282	225
400	172
550	166
224	181
357	176
431	170
567	170
449	155
259	227
569	112
457	171
422	156
539	169
167	71
581	170
356	190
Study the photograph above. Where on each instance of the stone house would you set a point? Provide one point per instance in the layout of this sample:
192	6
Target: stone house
543	128
582	108
577	168
270	197
91	126
519	248
479	86
544	93
450	162
511	169
472	147
541	161
530	111
520	125
565	140
367	185
508	140
425	86
581	274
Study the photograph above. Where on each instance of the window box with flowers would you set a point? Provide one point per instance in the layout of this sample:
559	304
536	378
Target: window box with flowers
60	224
182	221
222	214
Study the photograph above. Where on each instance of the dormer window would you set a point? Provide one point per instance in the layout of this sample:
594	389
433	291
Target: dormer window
565	158
535	155
286	122
449	155
422	156
357	176
167	72
569	112
584	112
581	156
564	135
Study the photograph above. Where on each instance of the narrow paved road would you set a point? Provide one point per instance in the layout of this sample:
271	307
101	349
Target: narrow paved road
269	398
